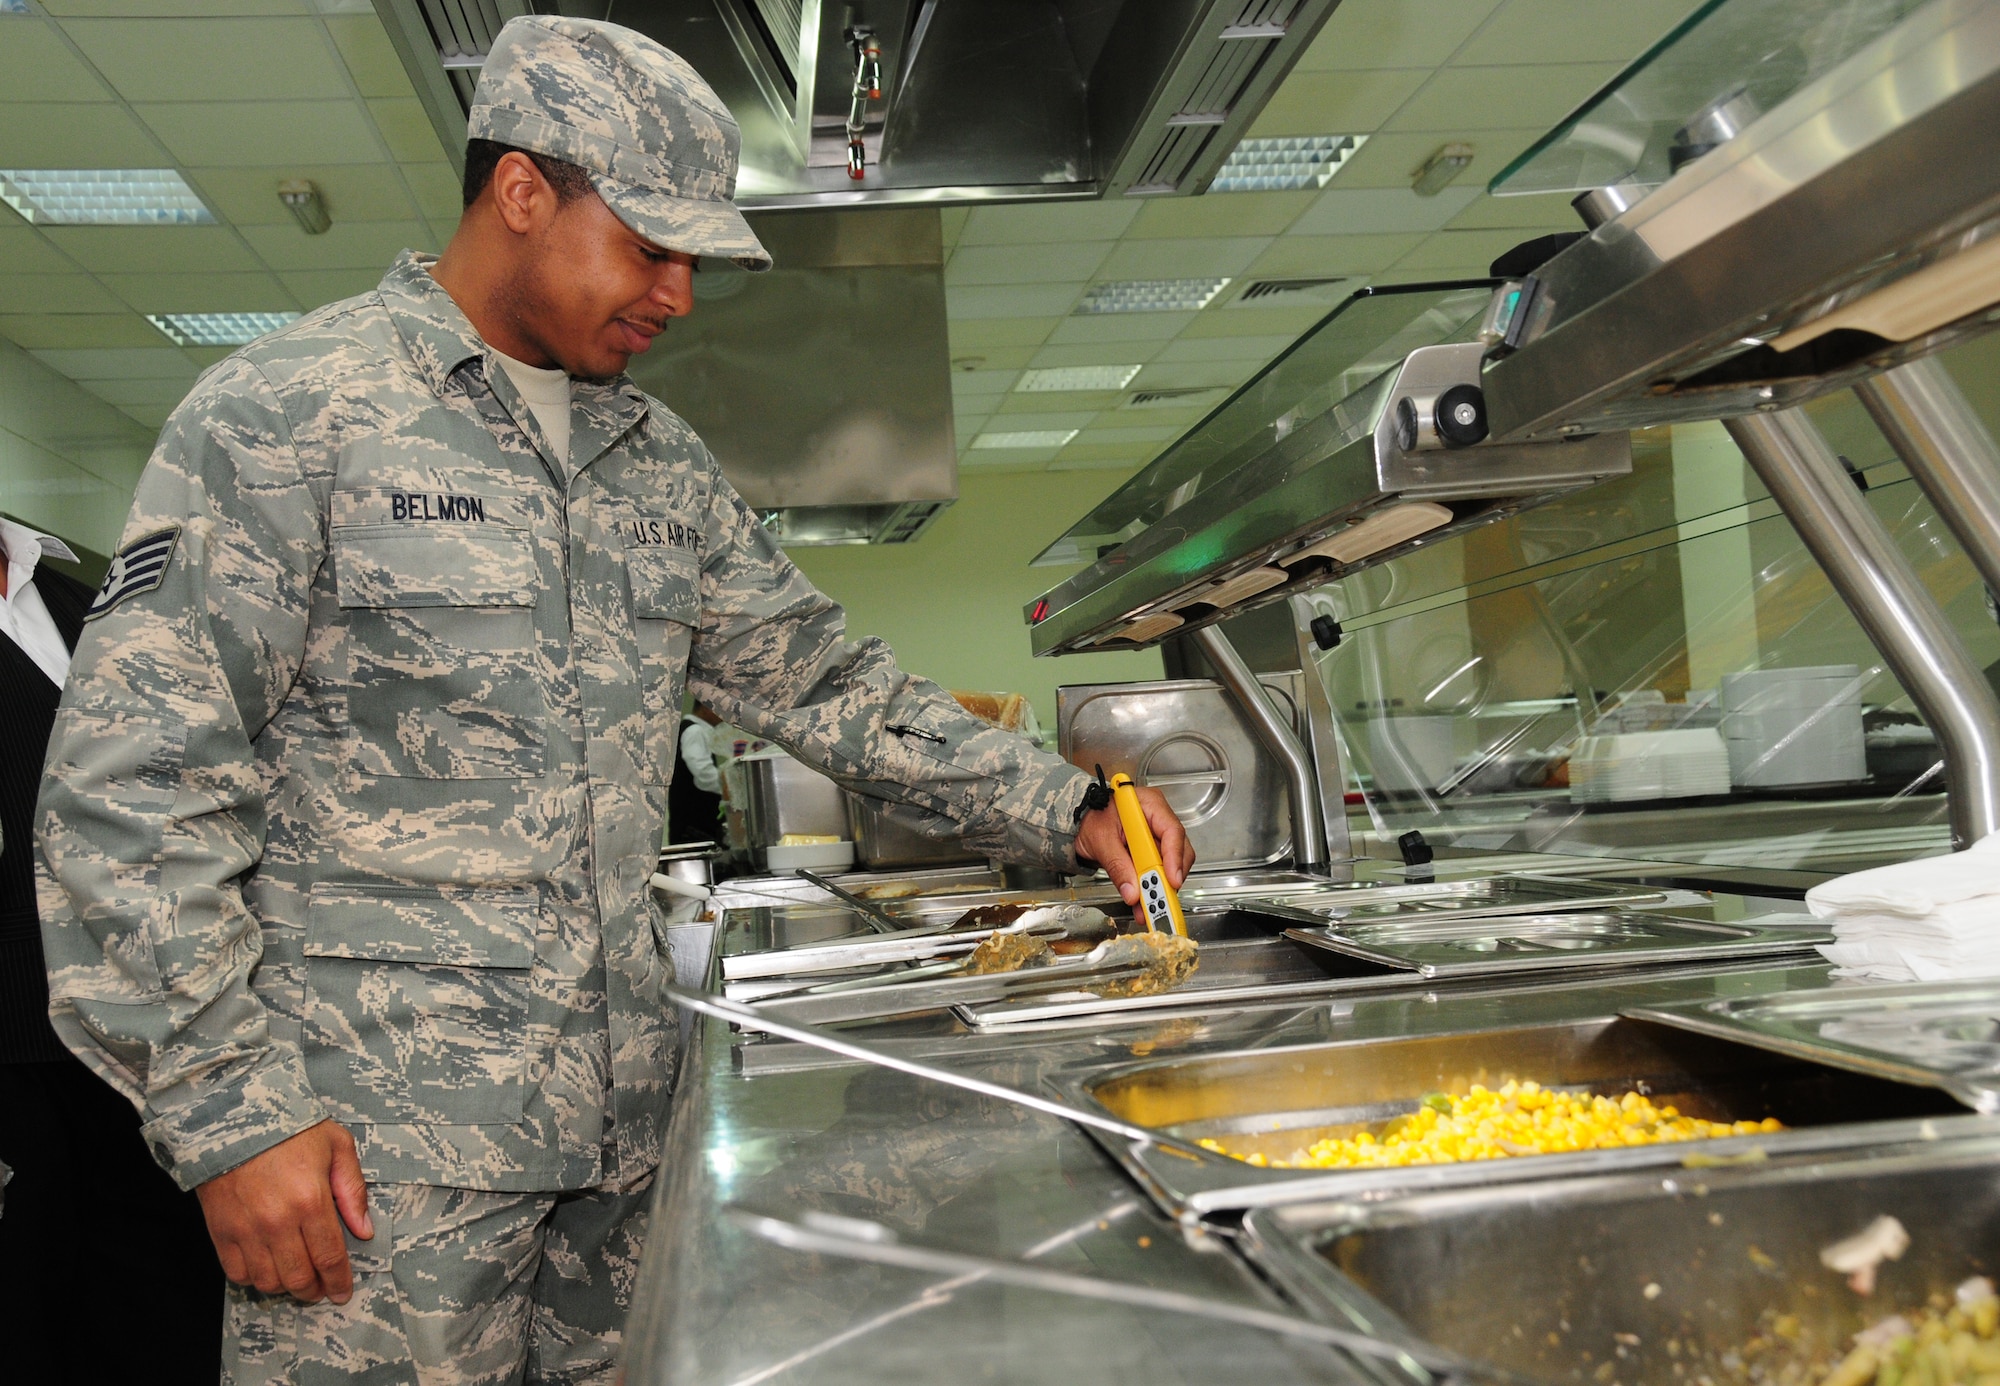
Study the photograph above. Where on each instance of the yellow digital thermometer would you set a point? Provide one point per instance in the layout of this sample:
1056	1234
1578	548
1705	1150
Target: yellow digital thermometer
1157	900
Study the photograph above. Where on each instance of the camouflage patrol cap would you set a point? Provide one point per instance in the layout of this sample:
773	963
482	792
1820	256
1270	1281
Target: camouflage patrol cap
657	142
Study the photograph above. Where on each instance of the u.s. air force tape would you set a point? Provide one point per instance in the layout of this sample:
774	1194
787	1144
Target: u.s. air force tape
138	567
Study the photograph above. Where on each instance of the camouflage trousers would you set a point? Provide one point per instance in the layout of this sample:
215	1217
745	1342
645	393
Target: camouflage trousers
457	1288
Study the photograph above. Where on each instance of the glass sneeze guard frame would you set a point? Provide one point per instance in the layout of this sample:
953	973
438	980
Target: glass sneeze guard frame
1367	335
1729	60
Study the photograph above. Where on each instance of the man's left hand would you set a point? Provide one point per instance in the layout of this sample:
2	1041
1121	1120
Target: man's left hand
1101	839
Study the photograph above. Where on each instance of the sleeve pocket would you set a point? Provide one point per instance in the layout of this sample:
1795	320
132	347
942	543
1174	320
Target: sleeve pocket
416	1002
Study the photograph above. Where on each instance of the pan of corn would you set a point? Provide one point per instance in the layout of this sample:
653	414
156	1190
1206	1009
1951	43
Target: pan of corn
1437	1110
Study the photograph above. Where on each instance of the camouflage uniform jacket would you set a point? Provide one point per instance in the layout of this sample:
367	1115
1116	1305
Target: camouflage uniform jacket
352	804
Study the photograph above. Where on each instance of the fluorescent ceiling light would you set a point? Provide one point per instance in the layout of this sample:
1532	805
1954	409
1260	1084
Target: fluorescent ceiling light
1077	378
103	197
218	329
14	7
1304	161
1151	295
1030	438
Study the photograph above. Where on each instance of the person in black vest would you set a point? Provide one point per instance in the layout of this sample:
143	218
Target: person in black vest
86	1206
694	796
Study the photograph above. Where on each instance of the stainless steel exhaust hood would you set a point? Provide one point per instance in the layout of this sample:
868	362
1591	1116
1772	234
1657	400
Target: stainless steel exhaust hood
945	100
824	385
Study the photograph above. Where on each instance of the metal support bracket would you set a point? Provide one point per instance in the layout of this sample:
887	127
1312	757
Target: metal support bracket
1891	604
1308	818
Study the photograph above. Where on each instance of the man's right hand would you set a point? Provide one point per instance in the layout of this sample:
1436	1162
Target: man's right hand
276	1218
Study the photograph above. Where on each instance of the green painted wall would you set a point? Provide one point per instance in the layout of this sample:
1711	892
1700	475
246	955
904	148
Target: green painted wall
68	460
950	604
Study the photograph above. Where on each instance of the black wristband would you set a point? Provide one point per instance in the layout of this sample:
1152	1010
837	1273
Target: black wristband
1097	796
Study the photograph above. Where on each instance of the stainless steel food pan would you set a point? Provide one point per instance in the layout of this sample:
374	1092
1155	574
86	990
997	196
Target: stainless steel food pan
1641	1280
1488	896
1463	946
1278	1101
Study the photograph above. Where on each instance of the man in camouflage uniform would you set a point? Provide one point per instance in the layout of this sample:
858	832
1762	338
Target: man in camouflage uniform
358	782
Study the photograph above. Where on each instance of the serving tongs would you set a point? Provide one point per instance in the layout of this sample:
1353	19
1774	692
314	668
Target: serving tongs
844	955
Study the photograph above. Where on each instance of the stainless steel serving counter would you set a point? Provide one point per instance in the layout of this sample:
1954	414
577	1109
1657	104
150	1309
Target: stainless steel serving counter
776	1127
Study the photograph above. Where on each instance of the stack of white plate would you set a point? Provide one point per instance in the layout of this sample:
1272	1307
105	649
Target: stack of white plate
1629	766
1790	728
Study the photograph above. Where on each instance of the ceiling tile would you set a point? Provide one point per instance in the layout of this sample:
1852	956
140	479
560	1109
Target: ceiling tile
1541	211
148	249
1362	211
1087	457
1460	100
1025	264
347	245
1542	31
36	65
150	416
1221	214
1119	327
1095	353
982	382
369	55
75	136
54	293
32	330
437	190
232	59
1401	33
1451	249
1001	332
1182	259
999	358
201	293
1009	301
352	192
1255	322
120	363
1019	420
313	288
1336	103
1129	433
407	130
1182	375
23	251
1299	256
1199	349
235	133
1391	160
123	393
1033	223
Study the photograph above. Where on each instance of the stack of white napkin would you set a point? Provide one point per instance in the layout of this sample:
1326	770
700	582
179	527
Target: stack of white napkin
1930	920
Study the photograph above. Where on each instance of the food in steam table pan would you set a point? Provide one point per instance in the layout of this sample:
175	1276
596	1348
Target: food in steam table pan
1950	1341
1518	1118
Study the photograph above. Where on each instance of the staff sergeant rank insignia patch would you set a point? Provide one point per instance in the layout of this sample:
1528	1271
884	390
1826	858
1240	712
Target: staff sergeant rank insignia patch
139	567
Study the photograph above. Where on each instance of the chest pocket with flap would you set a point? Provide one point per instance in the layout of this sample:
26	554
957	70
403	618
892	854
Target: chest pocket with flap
666	605
441	671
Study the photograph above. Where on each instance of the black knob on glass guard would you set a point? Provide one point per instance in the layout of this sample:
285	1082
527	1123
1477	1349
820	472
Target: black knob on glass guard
1326	632
1461	416
1406	424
